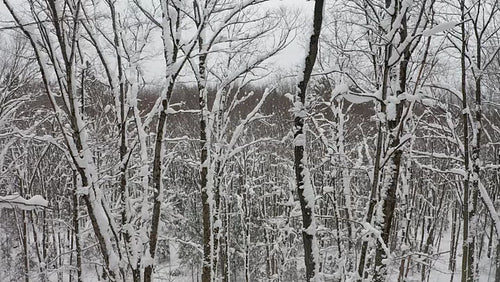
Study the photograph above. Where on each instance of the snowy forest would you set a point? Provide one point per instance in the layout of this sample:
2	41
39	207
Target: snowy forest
249	140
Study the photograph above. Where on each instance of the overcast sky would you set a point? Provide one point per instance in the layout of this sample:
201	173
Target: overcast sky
287	60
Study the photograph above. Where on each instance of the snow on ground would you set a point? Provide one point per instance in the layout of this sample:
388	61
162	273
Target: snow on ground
439	266
174	272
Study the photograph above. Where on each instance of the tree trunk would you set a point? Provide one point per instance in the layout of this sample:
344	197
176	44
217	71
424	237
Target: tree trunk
304	188
76	230
467	258
157	183
497	262
453	247
395	128
206	192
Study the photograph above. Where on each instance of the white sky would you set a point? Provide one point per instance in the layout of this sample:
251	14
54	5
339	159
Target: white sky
287	60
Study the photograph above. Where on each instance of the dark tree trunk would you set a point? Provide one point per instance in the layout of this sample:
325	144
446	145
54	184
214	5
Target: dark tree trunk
207	267
395	128
467	273
170	60
497	262
76	230
157	184
306	207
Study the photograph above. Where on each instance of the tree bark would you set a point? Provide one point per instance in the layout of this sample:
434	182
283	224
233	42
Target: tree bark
300	163
467	274
206	192
395	128
76	230
497	262
157	183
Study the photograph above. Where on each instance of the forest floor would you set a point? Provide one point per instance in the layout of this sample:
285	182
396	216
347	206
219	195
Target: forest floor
439	265
174	272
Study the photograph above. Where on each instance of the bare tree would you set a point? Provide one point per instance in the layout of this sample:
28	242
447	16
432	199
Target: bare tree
304	187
